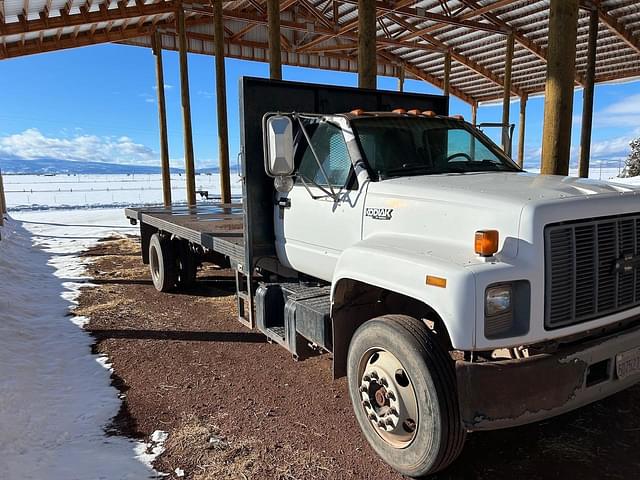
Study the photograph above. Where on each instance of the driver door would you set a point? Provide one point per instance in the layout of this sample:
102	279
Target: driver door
313	227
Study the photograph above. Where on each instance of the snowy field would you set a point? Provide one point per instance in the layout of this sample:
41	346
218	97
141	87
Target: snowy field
55	395
32	192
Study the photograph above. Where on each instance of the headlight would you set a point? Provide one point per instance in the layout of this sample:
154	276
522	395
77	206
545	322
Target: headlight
498	300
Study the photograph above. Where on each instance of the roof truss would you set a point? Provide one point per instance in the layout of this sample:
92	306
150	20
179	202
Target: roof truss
413	35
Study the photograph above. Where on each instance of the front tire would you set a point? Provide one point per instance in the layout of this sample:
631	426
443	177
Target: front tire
403	389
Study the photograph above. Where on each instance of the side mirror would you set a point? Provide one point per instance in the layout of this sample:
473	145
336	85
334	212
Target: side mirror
278	148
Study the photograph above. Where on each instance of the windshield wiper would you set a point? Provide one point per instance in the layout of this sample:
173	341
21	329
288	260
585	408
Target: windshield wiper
408	169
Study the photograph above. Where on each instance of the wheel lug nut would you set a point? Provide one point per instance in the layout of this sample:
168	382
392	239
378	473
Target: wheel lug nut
391	395
363	389
366	378
374	375
393	411
383	382
366	404
389	422
381	424
373	417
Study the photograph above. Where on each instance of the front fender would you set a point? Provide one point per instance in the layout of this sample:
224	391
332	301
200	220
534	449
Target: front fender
401	264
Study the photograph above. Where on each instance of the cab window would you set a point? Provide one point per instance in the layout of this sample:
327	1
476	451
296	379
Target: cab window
331	149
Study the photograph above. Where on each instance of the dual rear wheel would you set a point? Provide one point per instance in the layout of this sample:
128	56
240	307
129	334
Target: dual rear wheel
172	263
403	389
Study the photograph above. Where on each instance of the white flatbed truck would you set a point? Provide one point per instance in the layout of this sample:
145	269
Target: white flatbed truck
456	292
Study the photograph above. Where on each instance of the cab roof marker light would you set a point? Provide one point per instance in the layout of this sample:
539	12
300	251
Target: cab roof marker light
429	113
414	111
399	111
357	111
458	117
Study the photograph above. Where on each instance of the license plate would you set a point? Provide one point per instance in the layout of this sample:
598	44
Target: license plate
628	363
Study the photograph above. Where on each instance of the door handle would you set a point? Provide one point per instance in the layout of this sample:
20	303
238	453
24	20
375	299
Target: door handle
284	202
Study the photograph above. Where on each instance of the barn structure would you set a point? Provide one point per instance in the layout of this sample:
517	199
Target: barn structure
477	50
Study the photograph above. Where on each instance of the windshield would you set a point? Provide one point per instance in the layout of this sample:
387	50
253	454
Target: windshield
401	146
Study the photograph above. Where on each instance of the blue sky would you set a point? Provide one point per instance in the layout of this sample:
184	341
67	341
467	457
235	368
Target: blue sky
98	103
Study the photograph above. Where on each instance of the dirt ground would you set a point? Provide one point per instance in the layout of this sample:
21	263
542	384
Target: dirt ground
237	407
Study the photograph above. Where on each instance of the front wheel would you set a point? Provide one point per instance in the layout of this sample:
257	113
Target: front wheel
403	389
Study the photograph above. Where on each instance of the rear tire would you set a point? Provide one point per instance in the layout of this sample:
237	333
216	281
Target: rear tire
397	371
162	263
187	265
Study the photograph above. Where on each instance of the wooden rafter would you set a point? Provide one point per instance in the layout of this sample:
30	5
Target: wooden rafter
303	27
618	29
61	42
457	56
102	15
420	14
349	27
518	35
422	75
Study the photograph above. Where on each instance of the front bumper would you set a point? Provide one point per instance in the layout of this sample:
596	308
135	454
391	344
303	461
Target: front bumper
509	393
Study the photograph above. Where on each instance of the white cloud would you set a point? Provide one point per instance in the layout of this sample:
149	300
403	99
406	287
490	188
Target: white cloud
623	113
207	95
32	144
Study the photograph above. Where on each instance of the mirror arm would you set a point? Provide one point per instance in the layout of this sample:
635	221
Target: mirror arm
306	185
315	156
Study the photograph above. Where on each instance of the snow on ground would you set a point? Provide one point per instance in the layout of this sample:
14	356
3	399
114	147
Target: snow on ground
55	397
34	192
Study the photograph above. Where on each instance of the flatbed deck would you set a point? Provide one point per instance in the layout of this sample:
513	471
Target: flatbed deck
218	227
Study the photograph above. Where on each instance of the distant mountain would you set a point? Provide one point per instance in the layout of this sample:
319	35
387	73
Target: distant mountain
54	165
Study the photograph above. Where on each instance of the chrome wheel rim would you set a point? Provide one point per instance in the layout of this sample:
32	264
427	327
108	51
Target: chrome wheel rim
388	397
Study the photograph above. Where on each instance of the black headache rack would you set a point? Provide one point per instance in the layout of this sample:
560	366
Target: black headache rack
288	313
259	96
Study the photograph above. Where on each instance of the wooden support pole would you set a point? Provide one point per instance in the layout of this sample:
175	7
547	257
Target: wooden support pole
558	104
275	51
162	121
221	101
446	81
367	62
522	128
474	114
401	79
186	110
587	97
506	101
3	201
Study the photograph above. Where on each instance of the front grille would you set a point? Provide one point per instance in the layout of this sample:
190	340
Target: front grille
581	278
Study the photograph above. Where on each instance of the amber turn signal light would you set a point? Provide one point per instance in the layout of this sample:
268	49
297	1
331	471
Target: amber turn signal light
436	281
486	242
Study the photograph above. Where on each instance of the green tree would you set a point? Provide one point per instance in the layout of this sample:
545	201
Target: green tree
632	166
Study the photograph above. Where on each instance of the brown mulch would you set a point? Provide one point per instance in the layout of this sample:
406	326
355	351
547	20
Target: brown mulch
237	407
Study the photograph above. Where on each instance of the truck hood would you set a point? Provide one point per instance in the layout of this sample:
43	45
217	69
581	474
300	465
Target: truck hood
515	188
453	206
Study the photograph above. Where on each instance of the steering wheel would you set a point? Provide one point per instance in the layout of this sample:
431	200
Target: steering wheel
460	154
